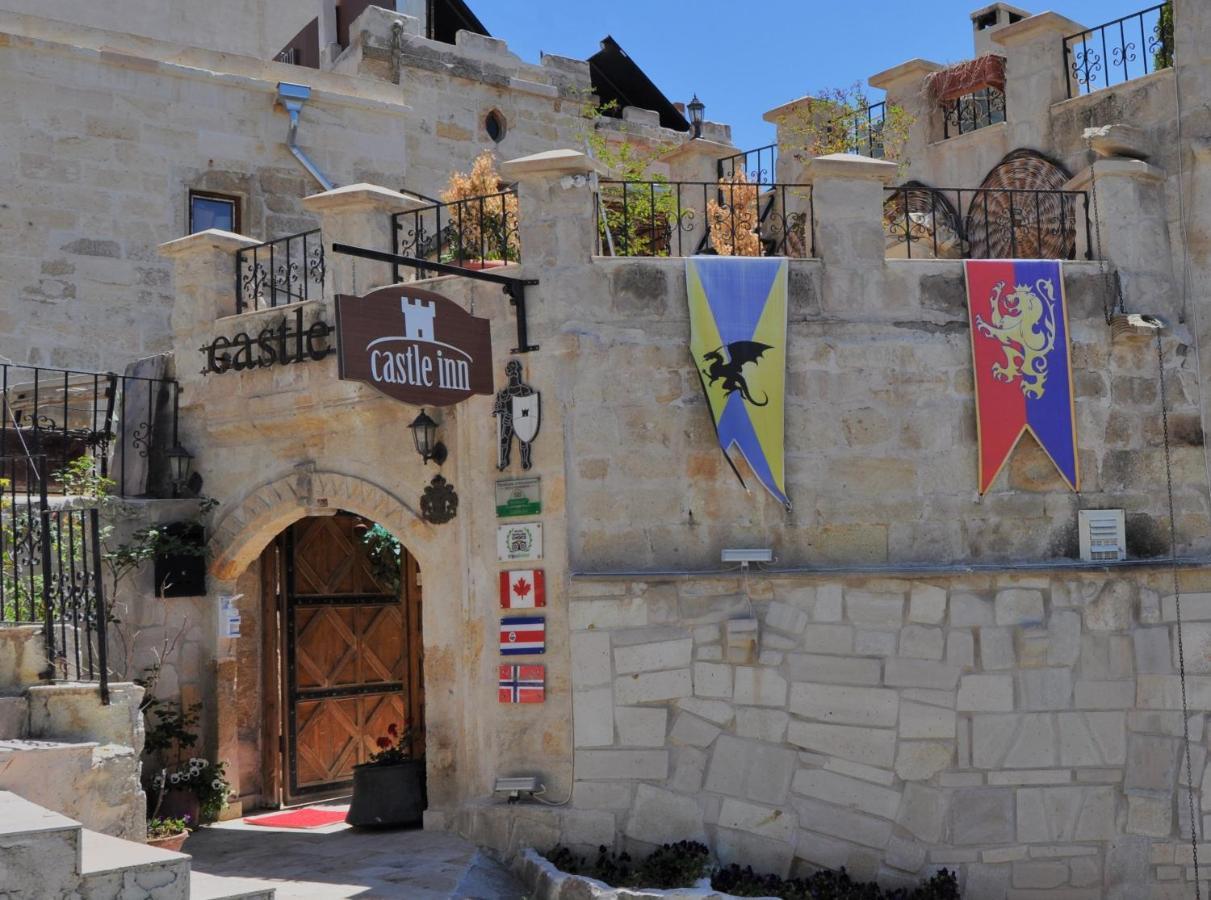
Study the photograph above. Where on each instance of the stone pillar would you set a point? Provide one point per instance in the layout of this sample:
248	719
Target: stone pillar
847	217
359	215
556	212
1036	73
904	86
1134	230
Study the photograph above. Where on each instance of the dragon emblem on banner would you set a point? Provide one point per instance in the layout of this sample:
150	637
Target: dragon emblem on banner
1023	322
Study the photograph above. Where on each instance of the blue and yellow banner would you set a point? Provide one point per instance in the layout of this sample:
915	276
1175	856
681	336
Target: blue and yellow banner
738	342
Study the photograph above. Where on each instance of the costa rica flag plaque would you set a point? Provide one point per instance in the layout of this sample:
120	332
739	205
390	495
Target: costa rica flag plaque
522	589
522	684
521	635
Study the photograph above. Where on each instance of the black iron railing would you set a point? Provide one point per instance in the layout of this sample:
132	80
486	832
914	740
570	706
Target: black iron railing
50	573
275	273
1119	50
124	423
973	111
475	232
760	165
682	218
865	130
959	223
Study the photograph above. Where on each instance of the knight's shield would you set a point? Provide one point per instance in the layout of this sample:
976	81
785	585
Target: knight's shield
525	417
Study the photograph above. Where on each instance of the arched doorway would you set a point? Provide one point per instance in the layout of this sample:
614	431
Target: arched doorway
342	652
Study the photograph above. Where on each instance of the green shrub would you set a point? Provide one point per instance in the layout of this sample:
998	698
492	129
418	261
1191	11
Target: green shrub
828	885
669	866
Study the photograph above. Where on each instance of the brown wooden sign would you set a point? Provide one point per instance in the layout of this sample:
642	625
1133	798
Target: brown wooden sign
414	345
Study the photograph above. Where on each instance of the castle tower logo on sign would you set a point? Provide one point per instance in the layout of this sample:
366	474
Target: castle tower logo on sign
414	345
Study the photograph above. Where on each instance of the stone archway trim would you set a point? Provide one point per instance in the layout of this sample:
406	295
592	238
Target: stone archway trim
248	527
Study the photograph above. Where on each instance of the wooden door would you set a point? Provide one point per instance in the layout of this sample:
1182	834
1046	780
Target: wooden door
352	653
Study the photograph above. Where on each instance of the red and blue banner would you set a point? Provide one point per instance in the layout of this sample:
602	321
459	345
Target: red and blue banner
1020	349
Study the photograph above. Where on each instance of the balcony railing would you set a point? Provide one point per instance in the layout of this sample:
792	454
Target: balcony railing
865	127
682	218
124	423
973	111
988	223
50	573
760	165
1120	50
276	273
476	232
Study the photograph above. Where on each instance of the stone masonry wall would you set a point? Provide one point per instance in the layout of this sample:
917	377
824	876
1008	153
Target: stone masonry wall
1024	728
880	431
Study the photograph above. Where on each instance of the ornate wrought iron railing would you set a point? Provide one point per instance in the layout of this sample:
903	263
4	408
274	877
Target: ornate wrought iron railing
1119	50
475	232
124	423
998	223
681	218
760	165
275	273
50	573
973	111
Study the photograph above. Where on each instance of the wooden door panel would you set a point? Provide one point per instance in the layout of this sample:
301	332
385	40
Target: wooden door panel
352	653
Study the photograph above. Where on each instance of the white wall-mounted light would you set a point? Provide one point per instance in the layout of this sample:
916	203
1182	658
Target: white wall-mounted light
746	556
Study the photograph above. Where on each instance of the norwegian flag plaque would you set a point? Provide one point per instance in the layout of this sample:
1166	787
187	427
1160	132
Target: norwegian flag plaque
522	589
522	684
521	635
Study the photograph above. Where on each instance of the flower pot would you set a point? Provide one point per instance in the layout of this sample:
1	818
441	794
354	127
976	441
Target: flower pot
480	264
179	803
388	795
173	842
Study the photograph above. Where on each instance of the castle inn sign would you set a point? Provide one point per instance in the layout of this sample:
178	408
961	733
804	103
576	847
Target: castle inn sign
414	346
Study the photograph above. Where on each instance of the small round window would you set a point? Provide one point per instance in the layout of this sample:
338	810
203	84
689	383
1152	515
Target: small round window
494	124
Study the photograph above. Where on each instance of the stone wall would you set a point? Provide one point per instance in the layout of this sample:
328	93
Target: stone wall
1022	727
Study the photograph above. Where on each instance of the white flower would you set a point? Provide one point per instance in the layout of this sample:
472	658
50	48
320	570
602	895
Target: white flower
216	784
174	778
202	764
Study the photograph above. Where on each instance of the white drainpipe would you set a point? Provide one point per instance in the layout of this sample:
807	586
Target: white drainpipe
292	97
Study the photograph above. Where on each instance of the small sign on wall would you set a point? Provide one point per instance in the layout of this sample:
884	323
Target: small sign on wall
522	684
229	615
518	497
519	541
523	635
522	589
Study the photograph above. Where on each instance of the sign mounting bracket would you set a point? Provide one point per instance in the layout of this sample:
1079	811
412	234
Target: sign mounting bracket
515	288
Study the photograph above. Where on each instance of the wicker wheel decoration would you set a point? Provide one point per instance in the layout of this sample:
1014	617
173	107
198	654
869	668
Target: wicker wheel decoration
919	222
1004	224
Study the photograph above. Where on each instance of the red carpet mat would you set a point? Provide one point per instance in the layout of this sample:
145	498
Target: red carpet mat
307	817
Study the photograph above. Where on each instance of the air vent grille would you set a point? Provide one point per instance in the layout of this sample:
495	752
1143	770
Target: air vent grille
1102	535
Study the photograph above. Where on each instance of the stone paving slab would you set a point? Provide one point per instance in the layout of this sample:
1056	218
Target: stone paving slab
339	862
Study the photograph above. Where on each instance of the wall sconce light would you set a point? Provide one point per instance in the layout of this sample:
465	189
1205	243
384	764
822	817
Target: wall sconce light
696	108
424	435
180	462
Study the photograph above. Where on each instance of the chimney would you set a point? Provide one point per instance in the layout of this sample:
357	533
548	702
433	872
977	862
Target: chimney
990	19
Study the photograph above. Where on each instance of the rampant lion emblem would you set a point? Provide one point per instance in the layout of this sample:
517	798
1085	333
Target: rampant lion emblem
1024	323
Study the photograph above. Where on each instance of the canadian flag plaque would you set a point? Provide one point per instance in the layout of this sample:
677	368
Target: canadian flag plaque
522	589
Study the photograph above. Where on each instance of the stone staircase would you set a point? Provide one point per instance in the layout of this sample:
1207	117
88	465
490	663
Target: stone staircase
72	811
45	854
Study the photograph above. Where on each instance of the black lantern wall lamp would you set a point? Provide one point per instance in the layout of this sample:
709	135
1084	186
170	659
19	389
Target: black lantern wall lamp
180	465
424	435
696	108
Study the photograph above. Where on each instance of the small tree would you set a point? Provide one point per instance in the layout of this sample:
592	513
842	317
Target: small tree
837	120
483	222
734	222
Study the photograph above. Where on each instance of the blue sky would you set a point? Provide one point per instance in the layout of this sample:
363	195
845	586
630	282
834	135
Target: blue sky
745	58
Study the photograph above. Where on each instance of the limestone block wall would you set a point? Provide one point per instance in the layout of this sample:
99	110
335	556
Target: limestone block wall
880	431
1023	727
106	135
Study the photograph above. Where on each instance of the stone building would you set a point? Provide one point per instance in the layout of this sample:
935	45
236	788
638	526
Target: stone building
923	676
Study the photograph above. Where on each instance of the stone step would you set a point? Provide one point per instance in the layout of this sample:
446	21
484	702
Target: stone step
215	887
14	717
111	868
22	656
94	784
39	849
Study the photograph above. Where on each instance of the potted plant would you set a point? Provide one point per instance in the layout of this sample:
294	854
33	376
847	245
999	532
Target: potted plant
389	789
168	833
195	790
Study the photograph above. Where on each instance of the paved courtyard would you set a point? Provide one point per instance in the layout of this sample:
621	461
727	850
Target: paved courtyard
339	862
